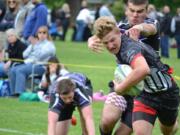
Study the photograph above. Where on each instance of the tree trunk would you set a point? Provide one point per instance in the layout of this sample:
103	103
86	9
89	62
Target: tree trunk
75	6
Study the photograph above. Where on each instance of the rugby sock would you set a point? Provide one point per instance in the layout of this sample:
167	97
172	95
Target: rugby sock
102	132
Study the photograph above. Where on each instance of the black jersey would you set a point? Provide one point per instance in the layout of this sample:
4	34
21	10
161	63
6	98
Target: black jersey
81	95
159	79
152	40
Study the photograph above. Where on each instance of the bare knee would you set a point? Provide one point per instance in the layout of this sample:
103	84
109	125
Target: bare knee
107	123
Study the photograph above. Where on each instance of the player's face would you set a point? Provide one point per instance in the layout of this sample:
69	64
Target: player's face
136	13
67	98
112	41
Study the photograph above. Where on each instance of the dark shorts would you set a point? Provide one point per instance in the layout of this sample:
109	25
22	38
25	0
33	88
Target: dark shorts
66	113
127	114
163	105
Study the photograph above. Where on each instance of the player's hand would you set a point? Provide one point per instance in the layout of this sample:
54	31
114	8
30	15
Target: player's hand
133	33
95	44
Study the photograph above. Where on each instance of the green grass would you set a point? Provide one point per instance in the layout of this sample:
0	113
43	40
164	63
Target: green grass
31	117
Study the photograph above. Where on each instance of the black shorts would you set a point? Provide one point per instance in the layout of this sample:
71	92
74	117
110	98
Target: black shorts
163	105
66	112
127	114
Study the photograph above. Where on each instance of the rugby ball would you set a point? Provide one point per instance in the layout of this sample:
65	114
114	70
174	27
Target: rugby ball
121	72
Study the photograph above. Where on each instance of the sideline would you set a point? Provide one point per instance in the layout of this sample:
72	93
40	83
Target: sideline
17	132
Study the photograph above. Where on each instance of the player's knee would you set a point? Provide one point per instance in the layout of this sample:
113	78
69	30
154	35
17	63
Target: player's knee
140	132
107	123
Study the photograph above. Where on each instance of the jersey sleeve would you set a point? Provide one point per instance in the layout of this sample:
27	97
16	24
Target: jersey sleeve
55	104
131	54
82	98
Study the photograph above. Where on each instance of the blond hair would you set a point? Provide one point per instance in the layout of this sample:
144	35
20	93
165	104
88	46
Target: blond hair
103	26
66	8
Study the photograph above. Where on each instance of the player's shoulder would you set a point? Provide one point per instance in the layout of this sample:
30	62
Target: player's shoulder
150	20
124	24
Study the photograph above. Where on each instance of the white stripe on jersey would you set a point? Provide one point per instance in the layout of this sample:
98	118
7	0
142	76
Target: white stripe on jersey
56	100
82	95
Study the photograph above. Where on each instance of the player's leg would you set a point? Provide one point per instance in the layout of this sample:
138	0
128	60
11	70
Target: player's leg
125	127
168	115
142	127
64	120
112	111
169	130
84	130
123	130
144	118
62	127
169	111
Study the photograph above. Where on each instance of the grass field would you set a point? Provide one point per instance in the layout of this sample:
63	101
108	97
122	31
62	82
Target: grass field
30	118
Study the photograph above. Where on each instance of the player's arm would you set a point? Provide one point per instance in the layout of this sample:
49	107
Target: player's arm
145	29
87	116
52	121
139	72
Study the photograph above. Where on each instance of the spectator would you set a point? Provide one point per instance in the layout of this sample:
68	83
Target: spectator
2	9
70	93
11	12
39	51
175	28
64	15
165	25
105	11
151	12
53	70
83	20
13	53
2	71
36	19
23	12
12	7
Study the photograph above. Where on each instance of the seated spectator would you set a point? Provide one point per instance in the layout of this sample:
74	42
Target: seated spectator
37	53
2	9
13	53
11	12
53	70
2	72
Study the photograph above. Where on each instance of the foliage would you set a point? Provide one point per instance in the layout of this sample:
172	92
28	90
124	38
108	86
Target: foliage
118	9
55	3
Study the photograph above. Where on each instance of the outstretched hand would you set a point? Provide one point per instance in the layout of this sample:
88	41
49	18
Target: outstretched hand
95	44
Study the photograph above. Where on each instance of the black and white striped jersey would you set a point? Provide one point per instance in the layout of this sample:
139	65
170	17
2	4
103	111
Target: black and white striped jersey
159	79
